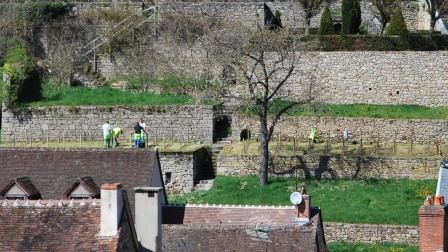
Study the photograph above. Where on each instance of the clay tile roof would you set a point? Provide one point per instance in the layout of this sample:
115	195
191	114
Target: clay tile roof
53	229
52	170
25	183
88	183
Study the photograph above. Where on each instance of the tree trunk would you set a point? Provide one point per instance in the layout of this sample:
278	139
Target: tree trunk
432	23
264	153
307	26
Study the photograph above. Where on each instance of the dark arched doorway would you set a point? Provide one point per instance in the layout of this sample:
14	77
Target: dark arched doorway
244	135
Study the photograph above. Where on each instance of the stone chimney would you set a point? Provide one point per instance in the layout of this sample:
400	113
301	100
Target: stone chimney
111	207
148	217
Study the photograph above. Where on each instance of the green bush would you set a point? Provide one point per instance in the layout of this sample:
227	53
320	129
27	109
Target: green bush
278	18
19	66
397	25
351	17
326	23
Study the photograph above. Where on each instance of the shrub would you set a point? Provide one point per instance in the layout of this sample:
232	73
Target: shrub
278	18
326	23
351	17
19	66
397	25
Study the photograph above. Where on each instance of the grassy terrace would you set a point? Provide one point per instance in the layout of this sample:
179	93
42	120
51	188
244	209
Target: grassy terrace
370	201
323	148
78	96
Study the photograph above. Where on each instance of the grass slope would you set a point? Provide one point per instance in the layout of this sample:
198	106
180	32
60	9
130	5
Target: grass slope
371	201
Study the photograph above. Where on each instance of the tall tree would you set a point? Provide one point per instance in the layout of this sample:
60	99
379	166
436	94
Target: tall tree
382	10
265	60
397	25
436	9
310	9
326	23
351	17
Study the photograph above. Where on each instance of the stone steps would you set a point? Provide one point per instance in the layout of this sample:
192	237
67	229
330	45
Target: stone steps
225	140
204	185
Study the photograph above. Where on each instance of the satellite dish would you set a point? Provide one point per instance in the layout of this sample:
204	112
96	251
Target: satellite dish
295	198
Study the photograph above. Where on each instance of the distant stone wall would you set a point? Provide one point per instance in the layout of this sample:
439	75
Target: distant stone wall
331	128
184	170
373	77
318	167
292	16
370	233
180	123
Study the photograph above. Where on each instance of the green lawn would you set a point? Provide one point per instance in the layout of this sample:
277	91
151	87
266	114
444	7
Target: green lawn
371	201
362	247
78	96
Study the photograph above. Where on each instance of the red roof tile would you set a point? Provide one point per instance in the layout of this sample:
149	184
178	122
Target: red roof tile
53	170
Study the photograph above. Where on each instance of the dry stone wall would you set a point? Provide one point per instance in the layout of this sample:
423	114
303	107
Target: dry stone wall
368	129
319	167
251	13
180	123
367	233
373	77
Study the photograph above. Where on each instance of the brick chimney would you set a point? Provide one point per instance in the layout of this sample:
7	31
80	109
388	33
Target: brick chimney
111	207
148	217
433	224
303	209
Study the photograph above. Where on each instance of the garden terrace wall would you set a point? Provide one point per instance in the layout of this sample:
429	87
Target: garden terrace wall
179	123
370	233
292	16
331	128
318	167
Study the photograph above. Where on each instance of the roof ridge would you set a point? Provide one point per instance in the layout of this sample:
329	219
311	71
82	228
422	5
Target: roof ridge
50	203
230	206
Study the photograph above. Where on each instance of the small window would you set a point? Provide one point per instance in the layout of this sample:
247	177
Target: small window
15	197
398	92
79	197
167	178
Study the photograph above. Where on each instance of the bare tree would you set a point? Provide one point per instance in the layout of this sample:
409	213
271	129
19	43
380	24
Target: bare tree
436	9
62	54
382	10
185	59
138	61
310	9
266	61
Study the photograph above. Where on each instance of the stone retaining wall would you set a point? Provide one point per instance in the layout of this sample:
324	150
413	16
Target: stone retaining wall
318	167
368	233
292	16
368	129
180	123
